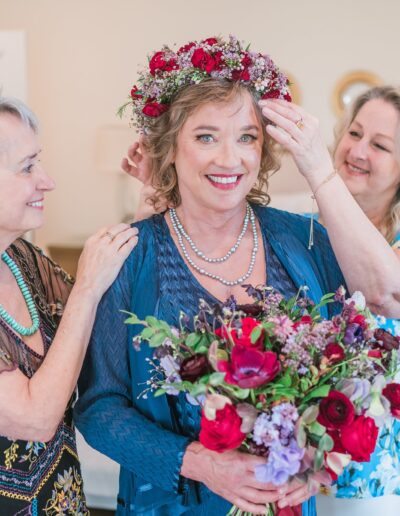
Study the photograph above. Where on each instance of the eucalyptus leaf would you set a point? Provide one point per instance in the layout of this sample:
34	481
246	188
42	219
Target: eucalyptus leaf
310	414
216	379
255	334
326	443
318	460
317	429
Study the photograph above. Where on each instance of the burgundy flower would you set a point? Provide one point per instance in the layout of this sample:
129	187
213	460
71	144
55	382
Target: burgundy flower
241	75
334	352
249	368
193	367
158	62
203	60
273	94
287	97
306	320
336	411
246	61
218	60
250	309
386	340
242	337
392	393
359	438
223	433
375	353
154	109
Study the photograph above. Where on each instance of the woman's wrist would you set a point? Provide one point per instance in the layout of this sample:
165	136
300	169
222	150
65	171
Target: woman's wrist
195	459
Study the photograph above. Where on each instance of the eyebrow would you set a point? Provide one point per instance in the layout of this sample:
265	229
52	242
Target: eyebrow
32	156
214	128
377	134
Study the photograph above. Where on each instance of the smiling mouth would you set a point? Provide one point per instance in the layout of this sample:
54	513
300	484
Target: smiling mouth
224	182
356	170
36	204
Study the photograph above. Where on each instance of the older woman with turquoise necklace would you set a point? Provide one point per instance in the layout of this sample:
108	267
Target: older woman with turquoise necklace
40	353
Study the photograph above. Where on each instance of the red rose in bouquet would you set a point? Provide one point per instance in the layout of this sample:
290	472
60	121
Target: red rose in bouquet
392	393
242	337
359	438
334	352
249	368
222	433
336	411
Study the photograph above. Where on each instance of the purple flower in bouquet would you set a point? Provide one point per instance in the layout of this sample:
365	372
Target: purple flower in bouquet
285	416
265	432
353	334
282	463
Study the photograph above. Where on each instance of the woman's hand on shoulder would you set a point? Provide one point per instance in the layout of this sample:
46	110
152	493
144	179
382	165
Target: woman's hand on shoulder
137	162
103	256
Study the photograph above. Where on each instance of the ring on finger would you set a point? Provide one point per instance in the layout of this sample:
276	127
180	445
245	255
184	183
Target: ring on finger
300	123
109	235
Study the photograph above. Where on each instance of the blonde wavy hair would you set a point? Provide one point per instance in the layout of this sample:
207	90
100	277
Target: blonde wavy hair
161	141
391	95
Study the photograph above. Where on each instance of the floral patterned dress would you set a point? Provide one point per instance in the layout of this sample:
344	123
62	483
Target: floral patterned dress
36	477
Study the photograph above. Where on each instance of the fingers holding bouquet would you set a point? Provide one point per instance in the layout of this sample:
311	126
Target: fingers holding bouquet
299	133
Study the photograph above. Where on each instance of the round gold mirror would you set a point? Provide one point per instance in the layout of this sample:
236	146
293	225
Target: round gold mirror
350	86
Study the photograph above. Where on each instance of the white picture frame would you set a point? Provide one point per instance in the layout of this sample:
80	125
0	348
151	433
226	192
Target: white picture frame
13	65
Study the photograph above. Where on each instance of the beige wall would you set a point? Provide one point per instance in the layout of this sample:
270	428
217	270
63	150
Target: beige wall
83	56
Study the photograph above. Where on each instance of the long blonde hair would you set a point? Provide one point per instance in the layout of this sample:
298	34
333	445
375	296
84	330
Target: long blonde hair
161	141
391	95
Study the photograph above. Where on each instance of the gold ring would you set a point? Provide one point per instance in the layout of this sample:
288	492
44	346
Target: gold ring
109	235
300	123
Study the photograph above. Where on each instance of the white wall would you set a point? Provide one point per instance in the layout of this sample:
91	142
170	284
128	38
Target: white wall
83	56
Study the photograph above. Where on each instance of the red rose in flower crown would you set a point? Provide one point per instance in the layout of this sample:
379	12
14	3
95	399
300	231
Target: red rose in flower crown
249	368
158	62
359	438
154	109
242	336
223	433
336	411
392	393
229	60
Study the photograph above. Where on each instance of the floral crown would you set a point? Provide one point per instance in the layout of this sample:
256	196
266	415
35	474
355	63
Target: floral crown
169	71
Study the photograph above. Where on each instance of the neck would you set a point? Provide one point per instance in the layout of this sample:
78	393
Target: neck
200	221
6	239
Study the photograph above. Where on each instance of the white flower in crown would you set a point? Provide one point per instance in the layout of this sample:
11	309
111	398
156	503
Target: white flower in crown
358	299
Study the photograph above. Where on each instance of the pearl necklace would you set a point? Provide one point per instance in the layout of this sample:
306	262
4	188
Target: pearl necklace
22	330
200	254
177	225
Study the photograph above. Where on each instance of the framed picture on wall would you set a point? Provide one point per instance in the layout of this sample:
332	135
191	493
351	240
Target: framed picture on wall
350	86
13	72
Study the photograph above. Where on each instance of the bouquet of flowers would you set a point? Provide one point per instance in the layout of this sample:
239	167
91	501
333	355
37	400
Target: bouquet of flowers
277	380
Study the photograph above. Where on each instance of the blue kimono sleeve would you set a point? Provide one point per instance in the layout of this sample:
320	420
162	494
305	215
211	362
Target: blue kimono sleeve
106	413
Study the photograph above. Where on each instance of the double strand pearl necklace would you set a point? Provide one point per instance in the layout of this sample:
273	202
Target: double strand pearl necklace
180	233
200	254
22	330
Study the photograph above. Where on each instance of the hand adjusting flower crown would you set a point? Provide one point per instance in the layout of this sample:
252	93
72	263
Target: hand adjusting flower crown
169	71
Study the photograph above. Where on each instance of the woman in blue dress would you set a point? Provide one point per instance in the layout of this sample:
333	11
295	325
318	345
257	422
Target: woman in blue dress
366	157
210	157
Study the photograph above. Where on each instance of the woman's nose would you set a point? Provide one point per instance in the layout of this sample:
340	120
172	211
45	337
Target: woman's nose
228	155
45	183
359	149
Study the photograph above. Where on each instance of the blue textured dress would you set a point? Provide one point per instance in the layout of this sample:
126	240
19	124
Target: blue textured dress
148	436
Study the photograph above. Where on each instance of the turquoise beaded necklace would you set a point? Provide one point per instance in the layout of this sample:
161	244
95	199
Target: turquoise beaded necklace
22	330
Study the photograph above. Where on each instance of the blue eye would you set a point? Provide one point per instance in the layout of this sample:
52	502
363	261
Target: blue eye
248	138
205	138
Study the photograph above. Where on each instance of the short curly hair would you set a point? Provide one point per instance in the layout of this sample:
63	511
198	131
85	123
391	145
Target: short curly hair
160	143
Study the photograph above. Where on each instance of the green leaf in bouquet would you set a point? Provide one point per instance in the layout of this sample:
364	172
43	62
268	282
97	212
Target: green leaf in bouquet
301	435
216	379
318	460
152	321
326	443
157	339
193	339
286	379
197	389
310	414
132	319
321	391
317	429
147	333
255	334
215	354
304	384
240	394
159	392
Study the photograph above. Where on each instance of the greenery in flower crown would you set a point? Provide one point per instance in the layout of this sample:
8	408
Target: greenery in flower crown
169	71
